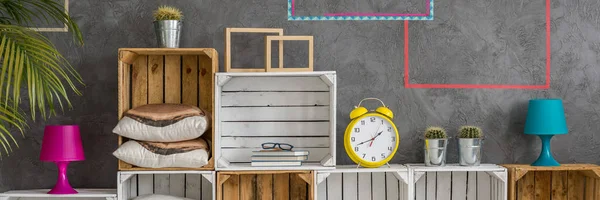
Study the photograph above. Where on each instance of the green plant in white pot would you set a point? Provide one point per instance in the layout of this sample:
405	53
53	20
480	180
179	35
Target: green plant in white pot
469	145
167	26
436	142
31	64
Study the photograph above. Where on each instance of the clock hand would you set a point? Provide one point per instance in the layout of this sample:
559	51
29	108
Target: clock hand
378	134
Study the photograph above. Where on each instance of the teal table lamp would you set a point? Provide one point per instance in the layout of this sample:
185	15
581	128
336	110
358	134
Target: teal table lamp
546	118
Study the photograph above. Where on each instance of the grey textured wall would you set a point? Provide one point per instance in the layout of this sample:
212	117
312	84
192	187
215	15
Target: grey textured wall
470	41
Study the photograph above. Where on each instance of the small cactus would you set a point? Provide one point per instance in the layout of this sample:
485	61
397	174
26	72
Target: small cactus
435	133
469	132
167	13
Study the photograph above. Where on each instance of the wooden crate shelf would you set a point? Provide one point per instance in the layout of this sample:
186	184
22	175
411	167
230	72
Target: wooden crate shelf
241	185
568	181
167	75
487	181
348	182
198	185
286	107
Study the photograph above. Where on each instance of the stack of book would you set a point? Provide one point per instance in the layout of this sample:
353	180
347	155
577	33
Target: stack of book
278	158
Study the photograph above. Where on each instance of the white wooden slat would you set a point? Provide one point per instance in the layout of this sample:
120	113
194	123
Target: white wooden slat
275	84
364	186
207	189
471	185
133	183
444	185
251	142
378	188
493	191
125	190
274	129
145	184
193	186
244	154
161	184
391	186
403	191
322	190
334	186
177	185
350	186
431	186
459	185
483	186
317	113
233	99
420	190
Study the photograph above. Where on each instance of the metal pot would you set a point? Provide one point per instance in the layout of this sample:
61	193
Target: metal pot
168	33
435	152
469	151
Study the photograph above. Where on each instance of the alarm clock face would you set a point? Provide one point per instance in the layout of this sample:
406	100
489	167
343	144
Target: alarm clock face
373	138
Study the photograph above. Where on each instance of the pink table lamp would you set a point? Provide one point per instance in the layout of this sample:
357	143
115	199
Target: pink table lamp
61	145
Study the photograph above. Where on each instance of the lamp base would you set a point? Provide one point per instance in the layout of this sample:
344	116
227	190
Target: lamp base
62	183
545	158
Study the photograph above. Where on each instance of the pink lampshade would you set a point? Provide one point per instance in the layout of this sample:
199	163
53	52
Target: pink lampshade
62	143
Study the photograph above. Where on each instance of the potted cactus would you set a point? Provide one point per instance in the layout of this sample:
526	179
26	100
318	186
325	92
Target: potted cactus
435	146
469	145
167	25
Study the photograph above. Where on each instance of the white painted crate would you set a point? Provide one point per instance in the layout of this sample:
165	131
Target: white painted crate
484	182
351	183
197	185
285	107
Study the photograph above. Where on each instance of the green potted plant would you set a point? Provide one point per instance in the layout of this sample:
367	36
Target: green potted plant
469	145
167	25
31	64
436	142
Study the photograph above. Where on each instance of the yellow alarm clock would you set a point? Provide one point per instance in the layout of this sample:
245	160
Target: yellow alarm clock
371	138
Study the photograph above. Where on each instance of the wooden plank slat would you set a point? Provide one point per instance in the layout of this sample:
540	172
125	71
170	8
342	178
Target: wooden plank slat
525	187
274	114
189	80
264	187
420	190
378	188
322	190
264	129
444	184
334	187
139	81
245	154
247	186
145	184
177	185
208	65
298	188
543	182
471	185
459	185
484	185
252	142
281	186
430	188
575	183
207	189
364	186
231	99
270	84
597	190
391	186
161	184
590	186
231	188
172	79
155	79
133	184
193	186
559	185
124	87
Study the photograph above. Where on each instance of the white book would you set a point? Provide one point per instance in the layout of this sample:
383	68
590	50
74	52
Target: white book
279	153
276	164
279	158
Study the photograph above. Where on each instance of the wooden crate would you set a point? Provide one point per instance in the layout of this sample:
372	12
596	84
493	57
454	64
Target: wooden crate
163	75
484	182
351	183
190	184
286	107
568	182
275	185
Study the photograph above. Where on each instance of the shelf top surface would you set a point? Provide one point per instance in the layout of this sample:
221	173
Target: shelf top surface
457	168
355	168
313	73
248	167
562	167
44	193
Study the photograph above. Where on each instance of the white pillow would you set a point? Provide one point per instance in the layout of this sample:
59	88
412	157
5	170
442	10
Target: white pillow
159	197
185	129
134	153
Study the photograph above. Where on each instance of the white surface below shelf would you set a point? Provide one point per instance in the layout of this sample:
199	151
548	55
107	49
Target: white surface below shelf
457	168
248	167
43	193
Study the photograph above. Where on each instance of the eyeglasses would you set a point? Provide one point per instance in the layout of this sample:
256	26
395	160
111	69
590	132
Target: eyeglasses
274	145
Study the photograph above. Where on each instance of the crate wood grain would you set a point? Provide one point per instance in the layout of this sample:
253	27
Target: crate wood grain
453	182
161	75
348	182
568	182
197	185
286	107
228	31
265	185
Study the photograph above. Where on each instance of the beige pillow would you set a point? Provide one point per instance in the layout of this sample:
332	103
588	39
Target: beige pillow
163	123
189	154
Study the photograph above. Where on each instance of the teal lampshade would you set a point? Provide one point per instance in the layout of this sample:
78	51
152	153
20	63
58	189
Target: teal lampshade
546	117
